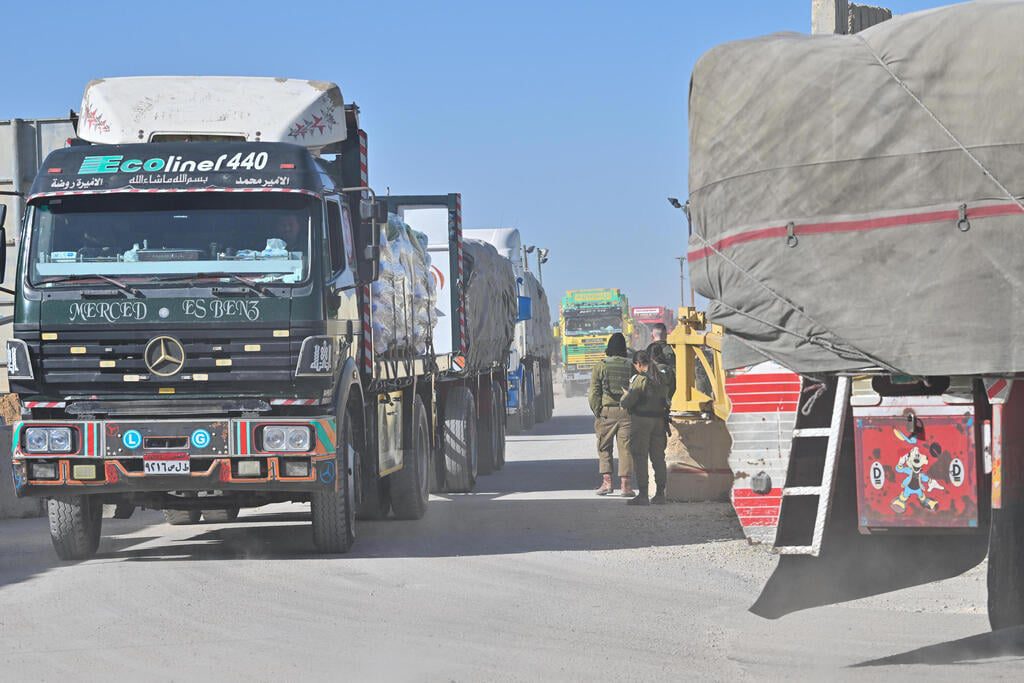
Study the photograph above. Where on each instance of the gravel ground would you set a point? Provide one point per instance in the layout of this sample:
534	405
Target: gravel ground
531	577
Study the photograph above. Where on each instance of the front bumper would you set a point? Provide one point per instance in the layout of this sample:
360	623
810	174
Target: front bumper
214	448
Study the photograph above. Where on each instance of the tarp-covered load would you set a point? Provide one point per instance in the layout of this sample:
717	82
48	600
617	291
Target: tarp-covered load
491	305
404	297
854	198
540	340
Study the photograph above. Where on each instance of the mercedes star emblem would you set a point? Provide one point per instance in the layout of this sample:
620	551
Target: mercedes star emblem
164	356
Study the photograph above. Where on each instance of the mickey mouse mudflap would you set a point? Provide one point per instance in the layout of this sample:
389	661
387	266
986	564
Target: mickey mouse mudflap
916	471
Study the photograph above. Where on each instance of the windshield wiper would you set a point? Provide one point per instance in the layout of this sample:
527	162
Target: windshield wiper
134	291
260	289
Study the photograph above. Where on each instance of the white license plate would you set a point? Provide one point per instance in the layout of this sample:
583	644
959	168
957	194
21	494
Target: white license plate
165	464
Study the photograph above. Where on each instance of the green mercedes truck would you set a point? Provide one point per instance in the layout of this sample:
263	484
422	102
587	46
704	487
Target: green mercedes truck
201	326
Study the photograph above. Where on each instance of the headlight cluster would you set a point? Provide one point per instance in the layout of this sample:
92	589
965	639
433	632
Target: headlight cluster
48	439
295	439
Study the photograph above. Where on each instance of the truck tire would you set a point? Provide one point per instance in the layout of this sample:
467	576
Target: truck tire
499	401
124	511
374	500
333	509
458	440
1006	568
410	486
527	415
220	516
488	433
75	524
180	517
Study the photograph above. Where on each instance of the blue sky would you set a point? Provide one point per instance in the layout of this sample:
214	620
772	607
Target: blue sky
566	120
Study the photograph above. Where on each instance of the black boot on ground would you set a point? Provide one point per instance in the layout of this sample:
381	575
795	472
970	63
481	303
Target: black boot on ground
641	499
658	499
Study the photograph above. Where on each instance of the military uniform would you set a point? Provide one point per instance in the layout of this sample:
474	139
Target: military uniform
607	382
647	404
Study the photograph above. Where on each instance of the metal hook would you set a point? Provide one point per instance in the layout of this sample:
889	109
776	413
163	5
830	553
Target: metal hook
791	239
963	224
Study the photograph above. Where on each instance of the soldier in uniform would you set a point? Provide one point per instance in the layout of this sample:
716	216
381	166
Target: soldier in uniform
647	403
611	422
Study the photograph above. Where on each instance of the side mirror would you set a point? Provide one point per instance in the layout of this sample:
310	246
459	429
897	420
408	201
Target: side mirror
3	241
372	258
525	308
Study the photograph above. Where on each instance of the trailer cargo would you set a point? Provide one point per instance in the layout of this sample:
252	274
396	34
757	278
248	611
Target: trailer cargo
856	218
530	379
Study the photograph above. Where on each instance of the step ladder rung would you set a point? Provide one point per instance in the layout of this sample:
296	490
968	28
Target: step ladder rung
795	550
809	432
802	491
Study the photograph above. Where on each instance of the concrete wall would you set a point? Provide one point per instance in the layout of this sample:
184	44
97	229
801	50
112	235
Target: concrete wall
863	16
829	16
841	16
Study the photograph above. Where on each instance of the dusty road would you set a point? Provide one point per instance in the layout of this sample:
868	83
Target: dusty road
530	578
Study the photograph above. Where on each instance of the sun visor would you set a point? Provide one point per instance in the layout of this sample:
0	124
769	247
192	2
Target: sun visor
212	108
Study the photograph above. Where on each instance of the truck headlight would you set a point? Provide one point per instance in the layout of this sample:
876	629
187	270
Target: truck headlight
295	439
298	439
48	439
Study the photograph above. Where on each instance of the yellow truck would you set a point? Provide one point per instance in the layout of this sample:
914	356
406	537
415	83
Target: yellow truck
588	318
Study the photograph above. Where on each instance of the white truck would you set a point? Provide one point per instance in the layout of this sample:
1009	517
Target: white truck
530	381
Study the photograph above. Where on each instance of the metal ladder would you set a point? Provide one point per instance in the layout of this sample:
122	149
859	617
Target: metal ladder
824	491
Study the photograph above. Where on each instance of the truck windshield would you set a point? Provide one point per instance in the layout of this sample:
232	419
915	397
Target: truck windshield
594	320
264	237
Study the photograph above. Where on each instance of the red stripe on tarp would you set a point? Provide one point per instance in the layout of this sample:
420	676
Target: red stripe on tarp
903	220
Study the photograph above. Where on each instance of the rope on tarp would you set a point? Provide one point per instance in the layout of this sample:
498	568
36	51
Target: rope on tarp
906	88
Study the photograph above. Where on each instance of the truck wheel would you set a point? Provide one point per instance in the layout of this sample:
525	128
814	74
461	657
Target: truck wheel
459	440
333	509
75	523
487	433
410	486
1006	568
180	517
124	511
220	516
499	401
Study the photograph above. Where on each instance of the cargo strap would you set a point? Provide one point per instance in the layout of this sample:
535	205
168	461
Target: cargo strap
806	451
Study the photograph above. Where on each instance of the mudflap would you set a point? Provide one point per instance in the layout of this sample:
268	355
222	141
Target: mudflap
853	566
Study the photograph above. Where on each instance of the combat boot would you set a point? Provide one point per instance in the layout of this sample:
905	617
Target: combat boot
641	499
606	485
627	488
659	496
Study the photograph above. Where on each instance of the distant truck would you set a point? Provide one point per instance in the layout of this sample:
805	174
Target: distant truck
212	313
644	320
530	380
588	318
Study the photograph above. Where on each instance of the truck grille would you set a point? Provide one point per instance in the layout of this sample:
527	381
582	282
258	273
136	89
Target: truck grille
78	360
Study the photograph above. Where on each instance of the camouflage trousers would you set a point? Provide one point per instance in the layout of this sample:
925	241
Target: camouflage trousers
613	428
